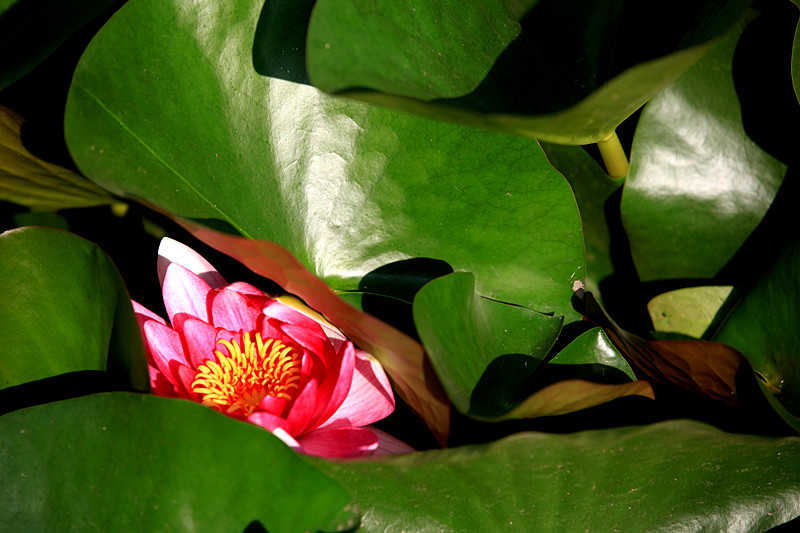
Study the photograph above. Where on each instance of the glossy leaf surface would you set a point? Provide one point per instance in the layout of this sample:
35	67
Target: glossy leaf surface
593	190
346	187
464	334
626	478
30	30
687	311
27	180
763	326
692	164
571	76
380	45
65	309
174	465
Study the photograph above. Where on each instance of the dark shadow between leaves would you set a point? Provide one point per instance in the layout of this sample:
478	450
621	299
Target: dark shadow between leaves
389	290
558	72
279	47
511	378
255	527
57	388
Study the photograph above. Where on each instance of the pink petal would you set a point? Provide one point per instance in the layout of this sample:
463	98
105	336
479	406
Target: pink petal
370	398
245	289
159	384
185	293
313	340
185	376
341	378
309	411
273	405
295	305
289	315
339	442
199	340
230	310
389	445
267	421
171	251
165	347
143	313
304	409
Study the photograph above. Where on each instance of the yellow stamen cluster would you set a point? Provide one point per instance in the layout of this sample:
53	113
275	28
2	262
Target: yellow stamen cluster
242	379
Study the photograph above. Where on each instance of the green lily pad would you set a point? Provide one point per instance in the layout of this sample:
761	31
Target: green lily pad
65	309
174	466
593	190
559	72
464	334
687	311
763	326
672	476
346	187
698	186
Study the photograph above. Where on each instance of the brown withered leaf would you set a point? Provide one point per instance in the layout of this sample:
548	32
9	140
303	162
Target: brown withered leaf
573	395
402	357
705	368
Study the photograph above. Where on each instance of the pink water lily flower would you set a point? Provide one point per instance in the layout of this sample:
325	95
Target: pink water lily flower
243	353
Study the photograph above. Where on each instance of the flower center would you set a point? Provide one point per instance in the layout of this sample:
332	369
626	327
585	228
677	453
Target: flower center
243	378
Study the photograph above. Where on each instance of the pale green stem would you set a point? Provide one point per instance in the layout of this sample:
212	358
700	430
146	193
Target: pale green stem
614	156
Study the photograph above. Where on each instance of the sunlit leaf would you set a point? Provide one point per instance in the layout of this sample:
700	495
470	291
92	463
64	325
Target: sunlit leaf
464	334
698	186
65	309
346	187
593	191
570	76
128	462
687	311
673	476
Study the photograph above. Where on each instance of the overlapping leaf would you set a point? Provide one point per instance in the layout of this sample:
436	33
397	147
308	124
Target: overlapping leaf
763	326
588	372
687	311
65	309
173	465
27	180
707	369
593	191
673	476
464	334
698	185
570	76
346	187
